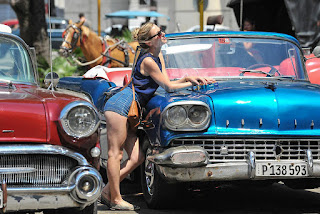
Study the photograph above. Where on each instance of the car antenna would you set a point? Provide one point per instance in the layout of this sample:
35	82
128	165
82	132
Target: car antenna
50	46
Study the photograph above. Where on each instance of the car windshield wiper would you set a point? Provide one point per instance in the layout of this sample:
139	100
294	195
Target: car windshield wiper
256	72
286	77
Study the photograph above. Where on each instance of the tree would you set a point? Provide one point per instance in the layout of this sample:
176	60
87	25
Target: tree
33	27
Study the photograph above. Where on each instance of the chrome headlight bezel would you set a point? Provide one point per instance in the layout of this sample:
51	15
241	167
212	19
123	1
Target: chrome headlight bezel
64	118
187	124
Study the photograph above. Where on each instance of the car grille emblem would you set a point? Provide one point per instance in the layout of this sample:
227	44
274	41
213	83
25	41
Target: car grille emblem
278	150
224	150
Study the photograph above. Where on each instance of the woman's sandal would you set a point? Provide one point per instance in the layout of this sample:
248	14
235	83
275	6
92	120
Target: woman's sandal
120	207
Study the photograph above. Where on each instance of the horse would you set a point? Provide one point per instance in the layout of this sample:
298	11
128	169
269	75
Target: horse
97	51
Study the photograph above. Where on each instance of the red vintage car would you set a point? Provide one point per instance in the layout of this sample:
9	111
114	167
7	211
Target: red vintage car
49	140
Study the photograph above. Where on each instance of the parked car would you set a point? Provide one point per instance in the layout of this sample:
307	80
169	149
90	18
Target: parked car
12	23
58	25
49	140
258	123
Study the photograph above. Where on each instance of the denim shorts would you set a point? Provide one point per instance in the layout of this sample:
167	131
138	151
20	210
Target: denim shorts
120	102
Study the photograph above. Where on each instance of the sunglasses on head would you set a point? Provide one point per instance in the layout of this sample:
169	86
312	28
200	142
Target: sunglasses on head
158	34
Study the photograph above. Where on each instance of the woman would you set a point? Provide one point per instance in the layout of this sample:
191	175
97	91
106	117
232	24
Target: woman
148	75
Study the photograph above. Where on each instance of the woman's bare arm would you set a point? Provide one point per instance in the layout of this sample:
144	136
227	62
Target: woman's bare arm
150	68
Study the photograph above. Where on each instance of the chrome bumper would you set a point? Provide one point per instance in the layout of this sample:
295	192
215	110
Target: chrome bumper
70	195
80	188
199	168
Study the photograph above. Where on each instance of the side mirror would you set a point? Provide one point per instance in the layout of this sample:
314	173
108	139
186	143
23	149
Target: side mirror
51	80
316	51
213	20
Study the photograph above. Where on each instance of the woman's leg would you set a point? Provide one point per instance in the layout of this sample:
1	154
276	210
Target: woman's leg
135	158
135	154
116	135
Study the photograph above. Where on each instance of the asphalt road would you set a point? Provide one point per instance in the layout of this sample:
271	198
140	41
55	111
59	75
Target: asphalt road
276	198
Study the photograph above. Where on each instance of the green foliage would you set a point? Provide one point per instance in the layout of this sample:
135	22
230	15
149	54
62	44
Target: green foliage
62	66
126	35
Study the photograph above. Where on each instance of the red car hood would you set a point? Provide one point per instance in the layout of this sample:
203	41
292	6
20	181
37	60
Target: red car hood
23	117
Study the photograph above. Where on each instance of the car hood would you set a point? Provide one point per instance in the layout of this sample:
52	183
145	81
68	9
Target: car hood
250	107
23	117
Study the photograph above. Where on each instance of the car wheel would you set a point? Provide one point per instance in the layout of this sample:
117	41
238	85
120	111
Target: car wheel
157	192
92	209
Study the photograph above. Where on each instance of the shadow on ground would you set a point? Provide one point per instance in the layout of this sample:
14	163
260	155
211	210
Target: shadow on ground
276	198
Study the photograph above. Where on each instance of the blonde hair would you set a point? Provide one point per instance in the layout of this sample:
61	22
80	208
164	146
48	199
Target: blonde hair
142	34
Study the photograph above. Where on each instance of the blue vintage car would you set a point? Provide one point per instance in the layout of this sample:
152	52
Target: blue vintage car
258	123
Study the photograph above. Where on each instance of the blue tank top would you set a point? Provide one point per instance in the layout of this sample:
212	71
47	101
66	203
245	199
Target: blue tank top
144	86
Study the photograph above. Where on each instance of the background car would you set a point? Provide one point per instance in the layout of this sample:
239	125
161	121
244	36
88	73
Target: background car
58	25
49	140
257	124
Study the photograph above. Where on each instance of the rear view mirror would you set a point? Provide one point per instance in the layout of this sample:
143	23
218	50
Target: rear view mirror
51	80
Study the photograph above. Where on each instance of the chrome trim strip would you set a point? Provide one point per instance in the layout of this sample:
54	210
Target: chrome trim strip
42	149
251	164
309	161
39	189
17	170
7	131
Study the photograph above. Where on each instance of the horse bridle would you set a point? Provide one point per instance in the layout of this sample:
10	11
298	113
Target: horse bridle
75	37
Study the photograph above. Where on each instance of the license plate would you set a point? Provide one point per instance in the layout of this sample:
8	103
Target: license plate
281	169
1	199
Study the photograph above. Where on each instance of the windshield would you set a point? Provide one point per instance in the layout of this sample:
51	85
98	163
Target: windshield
15	64
232	58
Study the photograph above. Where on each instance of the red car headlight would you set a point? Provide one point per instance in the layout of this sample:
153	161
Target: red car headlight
79	119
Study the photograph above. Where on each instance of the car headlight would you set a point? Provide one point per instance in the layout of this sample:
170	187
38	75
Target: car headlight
187	116
176	115
79	119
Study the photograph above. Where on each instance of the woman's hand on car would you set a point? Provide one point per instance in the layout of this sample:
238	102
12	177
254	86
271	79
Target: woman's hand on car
197	80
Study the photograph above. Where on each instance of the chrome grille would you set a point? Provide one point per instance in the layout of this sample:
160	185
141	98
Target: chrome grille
47	170
264	149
